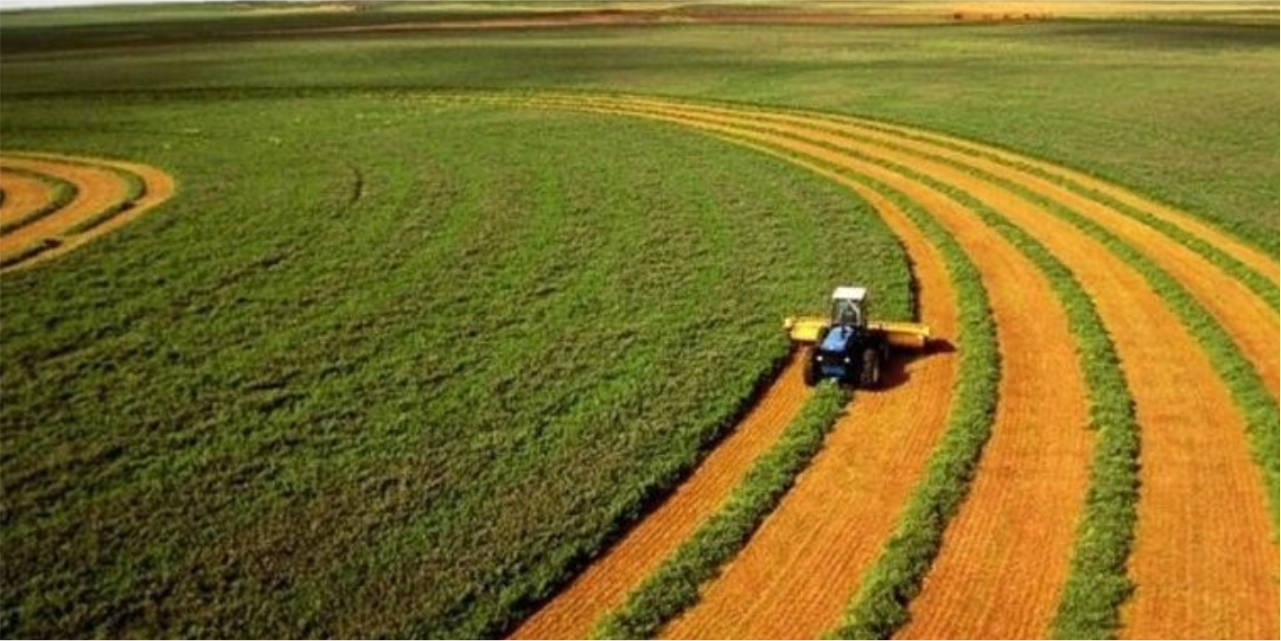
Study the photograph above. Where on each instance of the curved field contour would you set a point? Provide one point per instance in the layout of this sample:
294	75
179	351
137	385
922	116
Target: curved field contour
1203	560
108	194
605	584
24	195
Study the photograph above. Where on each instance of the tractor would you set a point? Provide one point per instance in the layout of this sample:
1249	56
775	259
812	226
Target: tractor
848	347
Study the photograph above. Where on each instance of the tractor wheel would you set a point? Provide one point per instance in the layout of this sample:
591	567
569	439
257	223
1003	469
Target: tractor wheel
811	371
870	377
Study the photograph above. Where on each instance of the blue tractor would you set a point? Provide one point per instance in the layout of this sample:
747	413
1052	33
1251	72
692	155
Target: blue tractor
848	347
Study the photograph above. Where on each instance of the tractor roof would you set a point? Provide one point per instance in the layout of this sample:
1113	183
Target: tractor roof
850	293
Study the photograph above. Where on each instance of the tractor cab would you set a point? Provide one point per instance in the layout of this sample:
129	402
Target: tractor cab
847	307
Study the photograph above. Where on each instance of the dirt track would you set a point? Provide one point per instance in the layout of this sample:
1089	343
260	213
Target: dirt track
1202	496
101	186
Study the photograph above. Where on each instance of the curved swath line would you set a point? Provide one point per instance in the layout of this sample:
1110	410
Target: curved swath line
922	401
1023	169
1201	499
759	596
1261	263
100	188
606	582
23	195
1253	325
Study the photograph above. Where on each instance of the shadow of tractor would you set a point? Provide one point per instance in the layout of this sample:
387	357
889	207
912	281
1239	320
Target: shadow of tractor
894	372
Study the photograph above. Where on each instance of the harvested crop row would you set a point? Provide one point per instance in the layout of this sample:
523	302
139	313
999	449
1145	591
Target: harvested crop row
1096	583
1196	469
1251	321
23	194
1030	324
875	455
606	582
61	192
1037	174
1131	309
674	586
108	194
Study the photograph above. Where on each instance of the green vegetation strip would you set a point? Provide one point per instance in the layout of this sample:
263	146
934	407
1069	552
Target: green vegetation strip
674	586
1097	583
1265	289
62	193
135	188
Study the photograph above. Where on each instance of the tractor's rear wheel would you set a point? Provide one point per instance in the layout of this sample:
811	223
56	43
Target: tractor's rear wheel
811	371
870	377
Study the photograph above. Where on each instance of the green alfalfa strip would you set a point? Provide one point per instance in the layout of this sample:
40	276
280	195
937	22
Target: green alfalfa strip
62	191
674	586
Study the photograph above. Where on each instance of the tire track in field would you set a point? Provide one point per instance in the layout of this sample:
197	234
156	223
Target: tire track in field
605	583
23	194
102	187
1203	493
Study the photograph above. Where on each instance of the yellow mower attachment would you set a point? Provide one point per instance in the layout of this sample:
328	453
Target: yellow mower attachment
912	337
804	329
905	336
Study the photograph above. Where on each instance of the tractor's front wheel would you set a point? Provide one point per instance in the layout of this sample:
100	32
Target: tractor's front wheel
870	377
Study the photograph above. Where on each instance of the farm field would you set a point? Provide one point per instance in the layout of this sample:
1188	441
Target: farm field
463	320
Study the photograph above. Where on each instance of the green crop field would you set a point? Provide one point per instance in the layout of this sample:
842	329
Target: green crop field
394	364
391	322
